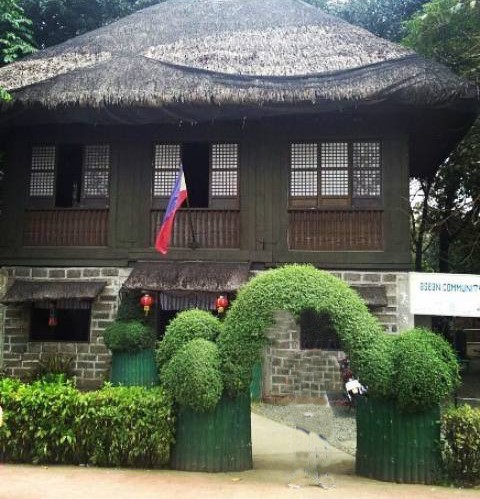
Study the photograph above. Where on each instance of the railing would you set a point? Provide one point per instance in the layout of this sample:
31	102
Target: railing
66	227
335	230
212	228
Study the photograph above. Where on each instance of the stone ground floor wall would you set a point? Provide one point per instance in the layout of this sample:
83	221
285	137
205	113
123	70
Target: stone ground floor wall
290	373
287	370
91	360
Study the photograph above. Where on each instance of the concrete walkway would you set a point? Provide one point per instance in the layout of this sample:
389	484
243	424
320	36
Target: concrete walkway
288	463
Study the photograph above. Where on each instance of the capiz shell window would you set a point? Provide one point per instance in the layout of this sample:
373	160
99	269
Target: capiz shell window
66	175
211	171
42	173
338	170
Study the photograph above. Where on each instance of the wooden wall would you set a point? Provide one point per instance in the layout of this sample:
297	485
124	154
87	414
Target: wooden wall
263	217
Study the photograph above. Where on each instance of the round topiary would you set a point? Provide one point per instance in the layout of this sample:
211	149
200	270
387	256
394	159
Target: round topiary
193	375
184	327
426	369
131	336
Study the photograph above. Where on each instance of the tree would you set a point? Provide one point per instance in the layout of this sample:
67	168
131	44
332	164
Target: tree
55	21
384	18
449	31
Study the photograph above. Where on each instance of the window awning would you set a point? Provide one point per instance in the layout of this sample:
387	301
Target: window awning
373	296
22	291
182	277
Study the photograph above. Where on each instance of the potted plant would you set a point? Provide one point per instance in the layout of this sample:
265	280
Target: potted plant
133	360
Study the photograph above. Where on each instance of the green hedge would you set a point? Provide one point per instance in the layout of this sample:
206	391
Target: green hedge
416	368
185	327
55	423
425	369
130	336
461	445
293	288
193	375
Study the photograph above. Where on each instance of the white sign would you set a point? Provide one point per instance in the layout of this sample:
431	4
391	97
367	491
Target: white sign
445	294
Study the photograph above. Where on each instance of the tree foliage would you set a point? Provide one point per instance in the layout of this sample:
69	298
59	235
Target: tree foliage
55	21
15	35
446	225
384	18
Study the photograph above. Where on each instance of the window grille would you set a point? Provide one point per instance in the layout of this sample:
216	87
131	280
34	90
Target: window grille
166	163
367	179
304	175
334	166
224	166
42	173
96	171
336	170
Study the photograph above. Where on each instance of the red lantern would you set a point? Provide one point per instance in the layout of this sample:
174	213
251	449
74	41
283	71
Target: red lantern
221	304
146	301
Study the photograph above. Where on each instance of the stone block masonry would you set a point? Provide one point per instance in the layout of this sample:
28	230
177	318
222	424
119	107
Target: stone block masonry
395	316
293	374
91	360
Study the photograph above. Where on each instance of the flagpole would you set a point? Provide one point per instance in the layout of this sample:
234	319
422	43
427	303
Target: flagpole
194	244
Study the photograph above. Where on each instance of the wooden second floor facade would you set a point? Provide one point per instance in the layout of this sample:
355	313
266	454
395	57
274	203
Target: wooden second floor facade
333	192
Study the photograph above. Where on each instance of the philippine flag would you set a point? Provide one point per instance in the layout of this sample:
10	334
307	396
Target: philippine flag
178	196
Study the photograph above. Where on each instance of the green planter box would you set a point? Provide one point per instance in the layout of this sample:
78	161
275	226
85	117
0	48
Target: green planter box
214	441
395	446
134	368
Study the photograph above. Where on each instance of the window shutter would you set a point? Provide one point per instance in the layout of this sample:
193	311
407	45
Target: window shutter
166	162
224	171
42	172
96	171
303	170
334	169
367	171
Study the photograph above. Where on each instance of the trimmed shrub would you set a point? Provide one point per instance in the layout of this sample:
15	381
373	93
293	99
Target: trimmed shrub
426	369
131	336
293	288
418	369
193	375
55	423
461	445
185	327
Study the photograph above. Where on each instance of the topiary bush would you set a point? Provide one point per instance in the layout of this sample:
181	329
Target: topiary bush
56	423
418	369
461	445
184	327
425	369
193	375
131	336
292	288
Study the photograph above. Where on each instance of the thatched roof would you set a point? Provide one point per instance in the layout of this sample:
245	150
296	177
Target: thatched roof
34	291
228	53
181	277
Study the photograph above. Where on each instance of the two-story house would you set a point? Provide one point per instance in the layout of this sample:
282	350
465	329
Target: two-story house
297	133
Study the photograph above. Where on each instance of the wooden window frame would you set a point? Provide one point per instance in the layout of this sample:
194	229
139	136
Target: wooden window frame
349	200
48	201
217	202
